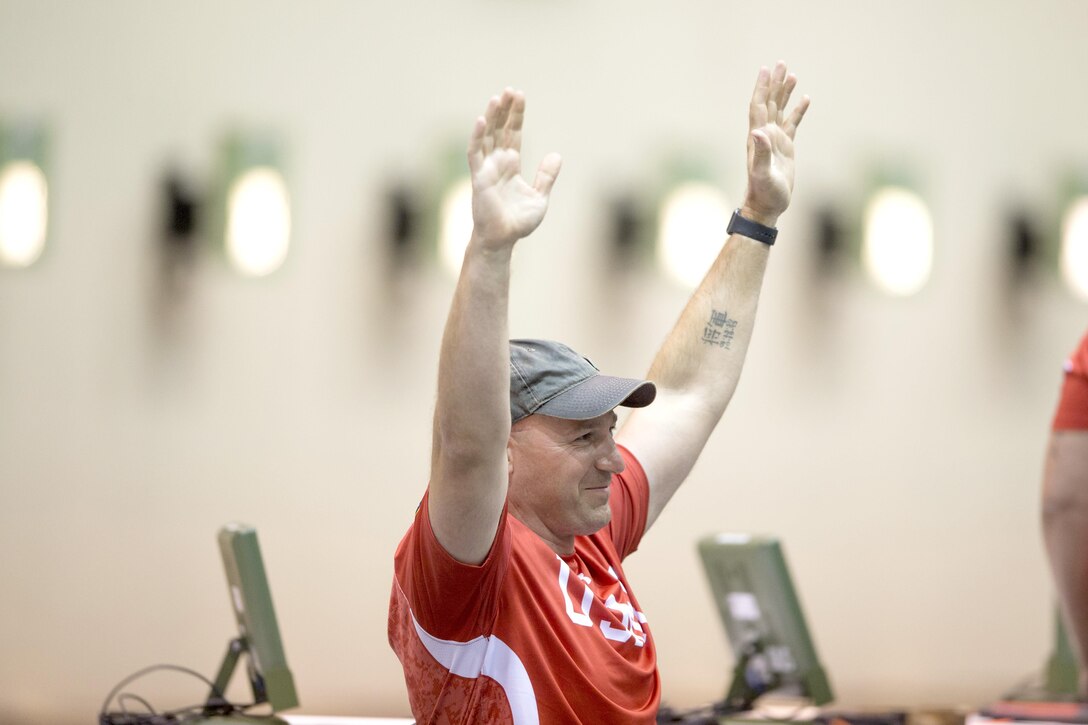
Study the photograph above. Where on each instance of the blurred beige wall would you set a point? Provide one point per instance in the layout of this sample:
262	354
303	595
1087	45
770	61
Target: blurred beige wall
895	444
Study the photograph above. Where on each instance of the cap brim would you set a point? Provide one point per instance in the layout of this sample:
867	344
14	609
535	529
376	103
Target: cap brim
597	395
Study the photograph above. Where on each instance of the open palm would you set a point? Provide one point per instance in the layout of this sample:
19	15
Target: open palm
770	142
505	207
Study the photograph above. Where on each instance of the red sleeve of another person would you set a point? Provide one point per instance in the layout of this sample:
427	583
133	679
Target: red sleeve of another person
1072	413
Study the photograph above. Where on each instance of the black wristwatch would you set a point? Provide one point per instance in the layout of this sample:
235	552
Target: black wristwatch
751	229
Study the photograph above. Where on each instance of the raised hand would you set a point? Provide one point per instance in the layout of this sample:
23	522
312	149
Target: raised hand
505	207
770	144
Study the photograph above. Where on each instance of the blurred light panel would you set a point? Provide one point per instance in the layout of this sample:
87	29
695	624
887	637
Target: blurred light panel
258	221
897	246
1074	251
252	204
455	224
24	192
24	210
692	219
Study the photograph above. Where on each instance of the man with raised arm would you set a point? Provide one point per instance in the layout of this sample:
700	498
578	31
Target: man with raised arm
509	601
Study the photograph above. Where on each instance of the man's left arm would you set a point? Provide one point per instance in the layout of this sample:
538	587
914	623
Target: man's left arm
698	366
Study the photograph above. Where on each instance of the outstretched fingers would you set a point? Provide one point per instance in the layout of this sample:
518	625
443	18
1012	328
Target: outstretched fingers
771	98
499	127
502	123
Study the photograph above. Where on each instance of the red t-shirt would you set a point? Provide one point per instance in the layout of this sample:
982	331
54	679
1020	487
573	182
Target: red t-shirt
527	636
1072	413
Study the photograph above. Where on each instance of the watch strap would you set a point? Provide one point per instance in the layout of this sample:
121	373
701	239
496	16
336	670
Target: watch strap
752	230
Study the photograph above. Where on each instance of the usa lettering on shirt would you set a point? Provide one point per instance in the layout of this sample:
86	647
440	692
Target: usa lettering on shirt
582	589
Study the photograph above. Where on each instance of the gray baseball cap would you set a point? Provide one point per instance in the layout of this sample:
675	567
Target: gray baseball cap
549	378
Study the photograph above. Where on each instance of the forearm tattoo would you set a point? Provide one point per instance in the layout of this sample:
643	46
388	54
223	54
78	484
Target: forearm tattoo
719	329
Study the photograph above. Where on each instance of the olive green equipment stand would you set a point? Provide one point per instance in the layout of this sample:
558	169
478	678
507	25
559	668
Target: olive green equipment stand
1061	666
259	635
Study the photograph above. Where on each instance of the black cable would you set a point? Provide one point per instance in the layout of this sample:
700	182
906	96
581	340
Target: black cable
128	695
222	707
216	704
147	670
184	714
200	712
698	715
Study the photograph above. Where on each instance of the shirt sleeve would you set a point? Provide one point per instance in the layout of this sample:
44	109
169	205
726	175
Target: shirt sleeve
630	502
1072	412
450	599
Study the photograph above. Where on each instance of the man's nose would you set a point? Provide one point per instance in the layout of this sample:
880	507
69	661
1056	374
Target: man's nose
611	460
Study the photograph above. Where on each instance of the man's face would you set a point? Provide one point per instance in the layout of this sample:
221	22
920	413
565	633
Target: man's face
560	475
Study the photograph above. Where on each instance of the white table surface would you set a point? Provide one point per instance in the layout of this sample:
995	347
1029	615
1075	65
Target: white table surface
336	720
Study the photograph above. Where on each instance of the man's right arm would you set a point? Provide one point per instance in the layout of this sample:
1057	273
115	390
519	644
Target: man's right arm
469	468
